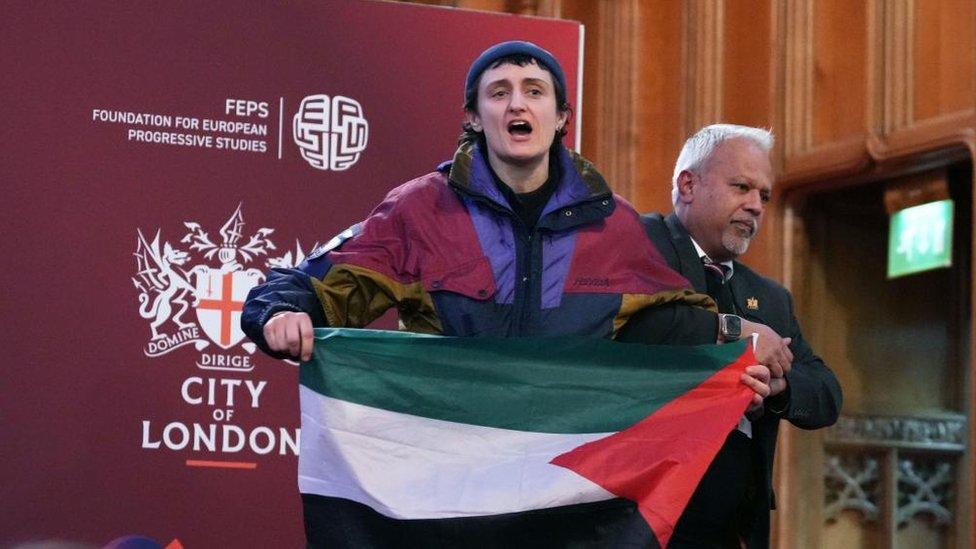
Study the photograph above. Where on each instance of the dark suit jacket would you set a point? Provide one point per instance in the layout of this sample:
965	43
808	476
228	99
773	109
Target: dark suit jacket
814	396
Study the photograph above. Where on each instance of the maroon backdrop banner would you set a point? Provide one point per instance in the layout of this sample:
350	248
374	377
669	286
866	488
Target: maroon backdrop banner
157	159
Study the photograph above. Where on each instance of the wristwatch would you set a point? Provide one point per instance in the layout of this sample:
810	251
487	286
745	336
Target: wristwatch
729	327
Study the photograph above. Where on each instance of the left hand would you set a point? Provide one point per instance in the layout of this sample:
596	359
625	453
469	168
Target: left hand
770	349
777	385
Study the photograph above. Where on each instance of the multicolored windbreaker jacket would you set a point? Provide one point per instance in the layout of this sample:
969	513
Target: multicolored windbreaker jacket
447	251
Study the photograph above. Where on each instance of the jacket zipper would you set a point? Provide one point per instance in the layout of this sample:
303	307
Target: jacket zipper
524	242
523	276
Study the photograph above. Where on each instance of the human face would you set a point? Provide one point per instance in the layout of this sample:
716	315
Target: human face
517	112
723	204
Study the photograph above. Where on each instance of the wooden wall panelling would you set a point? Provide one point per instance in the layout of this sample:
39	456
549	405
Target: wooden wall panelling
919	85
783	530
941	67
933	63
840	63
796	34
797	474
659	94
747	90
898	92
829	78
703	60
615	123
944	60
876	68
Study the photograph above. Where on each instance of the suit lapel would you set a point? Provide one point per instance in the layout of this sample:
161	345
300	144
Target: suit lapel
746	293
741	291
689	263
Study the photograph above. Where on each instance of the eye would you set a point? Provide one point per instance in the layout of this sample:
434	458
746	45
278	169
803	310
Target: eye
499	93
765	197
535	92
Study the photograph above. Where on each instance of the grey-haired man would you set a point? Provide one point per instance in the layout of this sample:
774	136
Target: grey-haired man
722	183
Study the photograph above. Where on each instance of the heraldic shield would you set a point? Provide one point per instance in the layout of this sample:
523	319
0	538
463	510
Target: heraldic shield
220	297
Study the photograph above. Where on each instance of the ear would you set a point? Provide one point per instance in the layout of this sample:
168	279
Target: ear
687	183
563	116
473	120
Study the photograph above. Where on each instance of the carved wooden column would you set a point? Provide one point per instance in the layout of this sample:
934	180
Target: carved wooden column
703	41
898	94
615	126
796	33
793	478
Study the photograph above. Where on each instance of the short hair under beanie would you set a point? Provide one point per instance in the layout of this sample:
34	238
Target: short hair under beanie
505	49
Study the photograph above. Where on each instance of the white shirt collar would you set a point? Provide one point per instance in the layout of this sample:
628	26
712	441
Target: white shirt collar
703	255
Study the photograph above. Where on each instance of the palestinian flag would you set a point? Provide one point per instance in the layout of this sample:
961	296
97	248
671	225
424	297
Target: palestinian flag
431	441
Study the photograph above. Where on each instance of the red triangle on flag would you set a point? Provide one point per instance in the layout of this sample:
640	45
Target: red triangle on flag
659	461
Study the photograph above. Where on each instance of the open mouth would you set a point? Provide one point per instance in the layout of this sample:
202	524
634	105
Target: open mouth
519	127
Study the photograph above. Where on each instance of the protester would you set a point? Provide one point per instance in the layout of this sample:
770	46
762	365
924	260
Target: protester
515	236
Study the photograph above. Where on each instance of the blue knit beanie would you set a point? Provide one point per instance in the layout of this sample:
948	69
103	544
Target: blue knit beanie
505	49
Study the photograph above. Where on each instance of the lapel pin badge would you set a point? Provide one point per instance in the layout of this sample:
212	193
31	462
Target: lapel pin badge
752	304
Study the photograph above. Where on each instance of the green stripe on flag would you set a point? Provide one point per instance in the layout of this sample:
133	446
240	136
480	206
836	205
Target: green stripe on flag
549	385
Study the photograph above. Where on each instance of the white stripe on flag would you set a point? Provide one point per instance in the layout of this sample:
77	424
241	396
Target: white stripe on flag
411	467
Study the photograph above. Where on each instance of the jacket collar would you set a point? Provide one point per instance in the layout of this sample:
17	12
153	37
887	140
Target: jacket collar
688	259
581	190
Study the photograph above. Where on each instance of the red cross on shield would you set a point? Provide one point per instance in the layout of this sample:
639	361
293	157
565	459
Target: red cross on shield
221	297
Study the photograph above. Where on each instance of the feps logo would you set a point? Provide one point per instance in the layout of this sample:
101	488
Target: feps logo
331	133
171	281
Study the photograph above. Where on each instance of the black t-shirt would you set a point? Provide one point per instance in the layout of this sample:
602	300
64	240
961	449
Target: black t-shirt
528	206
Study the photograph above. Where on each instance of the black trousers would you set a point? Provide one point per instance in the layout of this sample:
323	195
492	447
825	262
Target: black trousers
336	523
720	511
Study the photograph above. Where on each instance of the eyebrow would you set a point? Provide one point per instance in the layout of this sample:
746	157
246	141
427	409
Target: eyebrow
524	81
740	179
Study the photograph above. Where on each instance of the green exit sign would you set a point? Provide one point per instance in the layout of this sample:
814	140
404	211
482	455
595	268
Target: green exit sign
920	239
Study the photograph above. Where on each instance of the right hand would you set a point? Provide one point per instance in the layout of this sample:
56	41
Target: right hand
771	350
756	378
290	332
